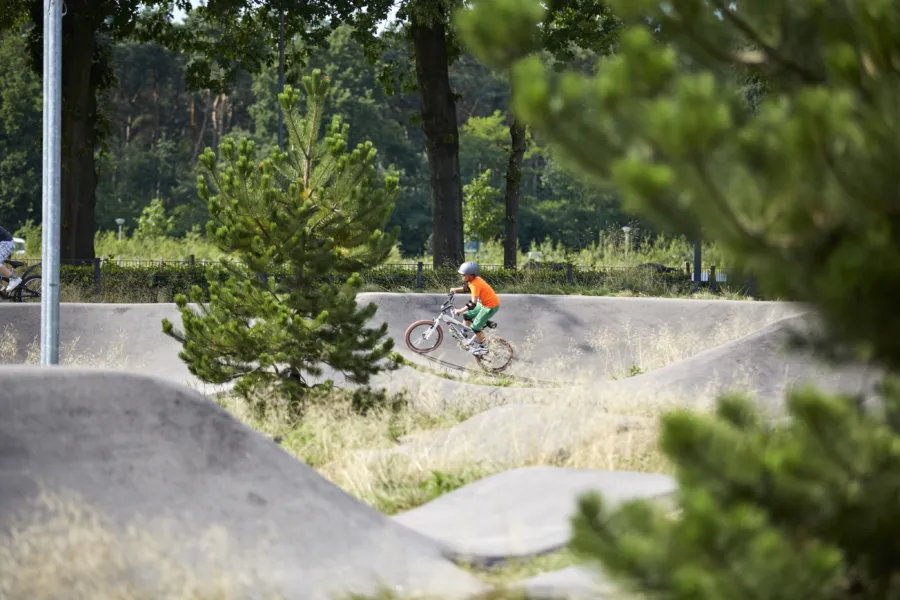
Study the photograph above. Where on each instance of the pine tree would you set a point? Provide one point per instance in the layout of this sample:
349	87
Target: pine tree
301	225
800	186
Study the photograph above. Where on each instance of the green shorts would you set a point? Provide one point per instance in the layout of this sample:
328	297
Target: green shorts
479	316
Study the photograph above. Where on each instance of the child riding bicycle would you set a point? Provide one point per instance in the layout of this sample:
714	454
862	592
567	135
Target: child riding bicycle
483	306
7	247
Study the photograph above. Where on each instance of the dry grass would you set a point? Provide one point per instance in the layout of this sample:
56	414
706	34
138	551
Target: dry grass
67	550
578	435
112	357
331	431
391	459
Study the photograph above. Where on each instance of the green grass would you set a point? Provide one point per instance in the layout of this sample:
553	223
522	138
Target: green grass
157	269
610	249
152	283
508	572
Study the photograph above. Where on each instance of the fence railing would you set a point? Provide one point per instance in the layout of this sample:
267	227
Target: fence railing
179	276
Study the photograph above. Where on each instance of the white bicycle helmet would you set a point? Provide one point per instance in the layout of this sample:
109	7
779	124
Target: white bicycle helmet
469	268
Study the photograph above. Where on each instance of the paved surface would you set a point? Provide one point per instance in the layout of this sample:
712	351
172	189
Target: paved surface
135	445
576	339
129	337
522	512
112	336
576	582
132	445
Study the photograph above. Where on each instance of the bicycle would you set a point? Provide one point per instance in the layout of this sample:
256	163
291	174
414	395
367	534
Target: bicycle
497	346
30	288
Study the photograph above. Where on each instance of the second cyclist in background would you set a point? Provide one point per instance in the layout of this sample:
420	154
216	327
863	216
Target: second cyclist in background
7	247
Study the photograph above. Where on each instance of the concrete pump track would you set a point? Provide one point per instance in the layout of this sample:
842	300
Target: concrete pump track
124	426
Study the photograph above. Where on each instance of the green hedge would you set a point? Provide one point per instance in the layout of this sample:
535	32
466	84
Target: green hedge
108	281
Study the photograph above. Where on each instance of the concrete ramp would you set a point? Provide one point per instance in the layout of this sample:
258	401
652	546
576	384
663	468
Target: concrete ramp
577	339
126	337
760	364
133	446
524	512
129	337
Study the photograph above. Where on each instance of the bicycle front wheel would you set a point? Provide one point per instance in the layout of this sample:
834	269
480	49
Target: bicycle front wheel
425	332
29	290
499	356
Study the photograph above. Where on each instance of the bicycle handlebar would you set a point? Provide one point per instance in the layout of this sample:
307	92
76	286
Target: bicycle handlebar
449	301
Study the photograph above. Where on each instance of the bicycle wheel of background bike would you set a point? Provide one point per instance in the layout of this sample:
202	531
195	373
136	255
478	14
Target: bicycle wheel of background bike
500	355
29	290
417	331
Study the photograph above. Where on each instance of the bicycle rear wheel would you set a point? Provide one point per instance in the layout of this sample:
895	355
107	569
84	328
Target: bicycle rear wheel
29	290
417	332
499	356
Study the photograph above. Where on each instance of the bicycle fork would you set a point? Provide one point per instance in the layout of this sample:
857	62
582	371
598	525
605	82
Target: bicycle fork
434	326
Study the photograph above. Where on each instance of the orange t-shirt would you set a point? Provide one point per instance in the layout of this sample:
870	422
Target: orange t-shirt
482	291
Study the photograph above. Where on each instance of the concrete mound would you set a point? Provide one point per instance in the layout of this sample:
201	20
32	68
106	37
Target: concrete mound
137	447
572	583
523	512
125	337
759	364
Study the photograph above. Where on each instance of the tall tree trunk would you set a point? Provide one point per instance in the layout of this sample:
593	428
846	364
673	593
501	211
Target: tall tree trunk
441	140
201	136
79	135
513	187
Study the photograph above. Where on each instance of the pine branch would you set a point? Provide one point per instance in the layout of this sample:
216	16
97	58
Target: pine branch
744	27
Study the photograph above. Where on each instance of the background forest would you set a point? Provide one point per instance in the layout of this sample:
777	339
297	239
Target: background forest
154	128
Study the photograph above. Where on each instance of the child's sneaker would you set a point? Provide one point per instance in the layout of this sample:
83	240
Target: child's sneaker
478	348
13	283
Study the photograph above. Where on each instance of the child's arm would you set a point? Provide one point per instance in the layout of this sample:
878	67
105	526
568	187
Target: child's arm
459	290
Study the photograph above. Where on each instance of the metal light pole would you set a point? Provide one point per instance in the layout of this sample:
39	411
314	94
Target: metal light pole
53	14
281	80
698	246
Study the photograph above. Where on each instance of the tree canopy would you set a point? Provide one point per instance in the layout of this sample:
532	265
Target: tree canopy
771	127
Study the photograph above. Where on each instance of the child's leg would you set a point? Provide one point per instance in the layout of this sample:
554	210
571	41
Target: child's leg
480	319
469	315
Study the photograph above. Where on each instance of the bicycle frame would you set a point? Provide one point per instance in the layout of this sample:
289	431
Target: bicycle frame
8	262
460	332
452	323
